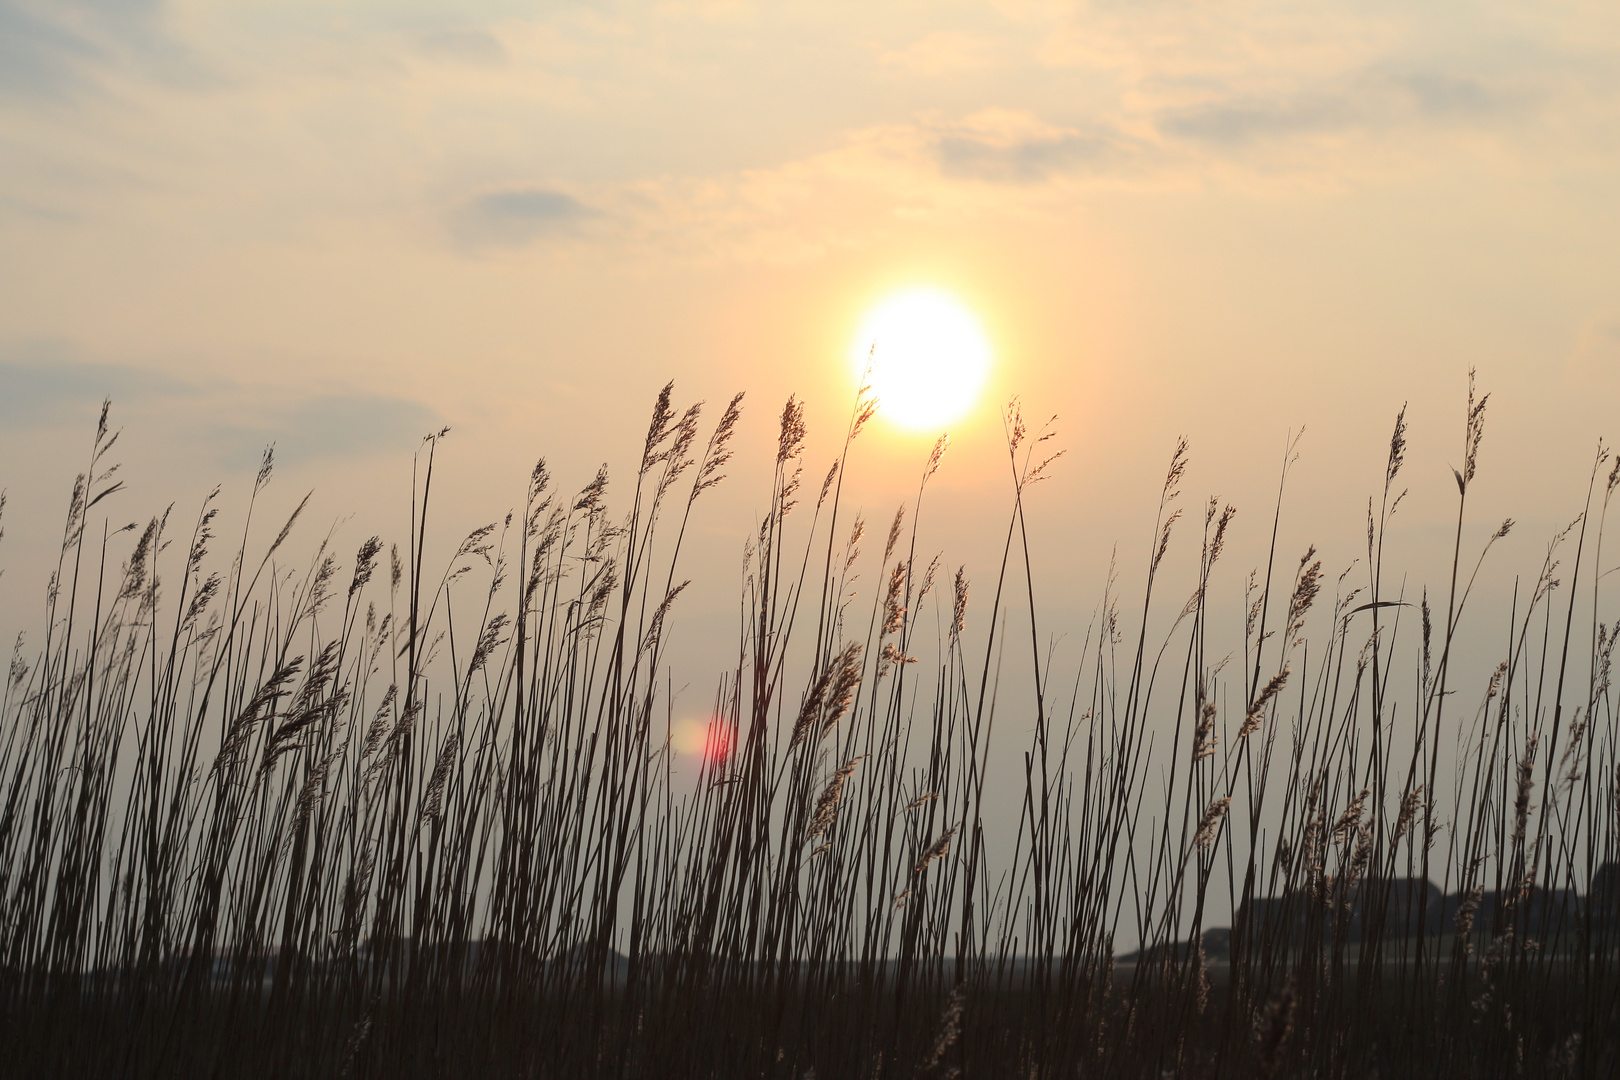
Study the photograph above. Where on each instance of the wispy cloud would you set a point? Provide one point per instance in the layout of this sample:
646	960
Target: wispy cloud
58	49
516	216
1010	145
47	385
44	383
463	45
1376	99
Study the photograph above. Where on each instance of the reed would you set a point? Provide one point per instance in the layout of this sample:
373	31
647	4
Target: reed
267	819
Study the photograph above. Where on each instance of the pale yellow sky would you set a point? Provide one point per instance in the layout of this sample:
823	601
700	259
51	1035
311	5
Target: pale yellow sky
338	225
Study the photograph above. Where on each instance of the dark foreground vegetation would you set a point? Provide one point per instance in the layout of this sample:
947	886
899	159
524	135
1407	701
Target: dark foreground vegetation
405	818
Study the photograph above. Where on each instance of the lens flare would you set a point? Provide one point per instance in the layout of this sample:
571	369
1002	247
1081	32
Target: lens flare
708	740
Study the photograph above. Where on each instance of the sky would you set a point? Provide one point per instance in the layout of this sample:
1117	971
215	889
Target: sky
337	226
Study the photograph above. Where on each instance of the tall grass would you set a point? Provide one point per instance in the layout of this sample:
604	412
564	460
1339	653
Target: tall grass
262	819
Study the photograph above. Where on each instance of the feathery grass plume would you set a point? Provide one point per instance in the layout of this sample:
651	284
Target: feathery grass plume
267	465
433	796
1255	598
201	597
921	800
135	570
18	669
959	603
676	458
928	578
241	729
1209	825
810	708
590	496
950	1030
1307	586
396	571
403	726
1177	470
1474	432
1257	709
307	706
827	483
1217	542
852	548
938	849
1465	914
826	810
286	530
894	612
718	451
1350	819
1397	449
894	532
488	642
73	528
1205	737
893	657
1522	806
378	731
1428	634
1012	420
935	454
1605	660
1164	541
310	796
1411	803
655	628
790	439
539	479
603	584
659	428
365	561
320	586
1360	856
841	692
1569	764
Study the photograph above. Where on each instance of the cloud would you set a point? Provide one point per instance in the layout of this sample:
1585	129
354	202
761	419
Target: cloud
1007	145
57	49
476	47
516	216
45	385
1376	98
38	55
336	425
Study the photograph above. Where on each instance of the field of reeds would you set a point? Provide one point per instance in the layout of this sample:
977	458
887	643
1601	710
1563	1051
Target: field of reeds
392	817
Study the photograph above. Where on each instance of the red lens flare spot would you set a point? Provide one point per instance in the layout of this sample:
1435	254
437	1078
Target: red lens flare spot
710	741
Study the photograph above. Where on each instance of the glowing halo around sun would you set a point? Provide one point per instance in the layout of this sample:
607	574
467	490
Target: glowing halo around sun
929	357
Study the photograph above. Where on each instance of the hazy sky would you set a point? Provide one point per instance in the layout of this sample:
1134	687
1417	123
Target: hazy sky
338	225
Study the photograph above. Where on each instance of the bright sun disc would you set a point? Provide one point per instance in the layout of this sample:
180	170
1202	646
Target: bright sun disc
929	357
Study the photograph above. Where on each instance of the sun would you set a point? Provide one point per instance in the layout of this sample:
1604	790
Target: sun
929	357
